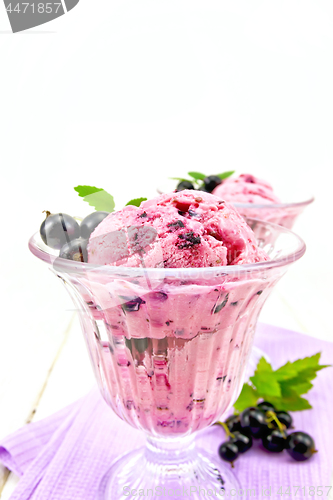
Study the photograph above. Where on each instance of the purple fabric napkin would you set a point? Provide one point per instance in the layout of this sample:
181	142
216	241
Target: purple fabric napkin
64	456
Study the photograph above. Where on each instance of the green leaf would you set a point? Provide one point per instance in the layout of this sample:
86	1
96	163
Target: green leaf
266	385
248	397
225	175
198	176
178	179
136	202
264	380
96	197
297	384
291	403
86	190
308	362
284	386
286	372
263	365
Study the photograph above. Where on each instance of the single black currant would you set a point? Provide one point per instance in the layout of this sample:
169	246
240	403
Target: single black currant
228	451
300	446
184	185
75	250
233	423
275	441
265	406
58	229
210	182
285	418
89	223
242	441
253	421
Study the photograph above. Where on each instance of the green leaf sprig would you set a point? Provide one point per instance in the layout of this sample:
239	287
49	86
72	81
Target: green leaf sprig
136	202
96	197
282	387
198	177
101	200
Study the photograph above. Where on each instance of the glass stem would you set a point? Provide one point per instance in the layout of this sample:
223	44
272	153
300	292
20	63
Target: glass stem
170	451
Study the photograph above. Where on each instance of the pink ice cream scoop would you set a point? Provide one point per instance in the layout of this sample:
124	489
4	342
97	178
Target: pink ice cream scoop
246	189
184	229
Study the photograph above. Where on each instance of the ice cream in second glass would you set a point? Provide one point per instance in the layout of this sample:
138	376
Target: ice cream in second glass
256	198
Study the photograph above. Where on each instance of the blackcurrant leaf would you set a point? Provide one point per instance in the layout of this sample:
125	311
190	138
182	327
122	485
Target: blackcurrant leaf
264	366
266	385
198	176
225	175
248	397
283	387
292	402
96	197
297	384
136	202
286	372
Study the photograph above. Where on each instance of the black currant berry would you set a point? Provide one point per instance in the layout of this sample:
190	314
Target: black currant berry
253	421
300	446
210	182
228	451
58	229
75	250
265	406
285	419
184	185
275	441
233	423
242	441
89	223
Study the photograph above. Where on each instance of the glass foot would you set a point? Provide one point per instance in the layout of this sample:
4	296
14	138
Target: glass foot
182	474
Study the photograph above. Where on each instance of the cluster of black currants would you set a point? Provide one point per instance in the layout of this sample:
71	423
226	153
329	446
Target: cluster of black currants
62	232
209	183
266	423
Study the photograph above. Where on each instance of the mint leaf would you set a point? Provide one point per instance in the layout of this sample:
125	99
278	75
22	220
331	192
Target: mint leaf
225	175
248	397
96	197
198	176
178	179
136	202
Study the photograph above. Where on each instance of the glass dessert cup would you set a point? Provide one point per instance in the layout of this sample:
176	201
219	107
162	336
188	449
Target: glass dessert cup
169	349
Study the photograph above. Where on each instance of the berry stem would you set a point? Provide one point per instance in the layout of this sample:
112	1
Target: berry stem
226	429
271	417
47	213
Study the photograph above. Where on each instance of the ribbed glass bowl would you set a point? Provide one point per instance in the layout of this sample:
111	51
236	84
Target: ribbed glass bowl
169	349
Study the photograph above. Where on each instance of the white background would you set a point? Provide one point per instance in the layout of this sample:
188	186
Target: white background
123	94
